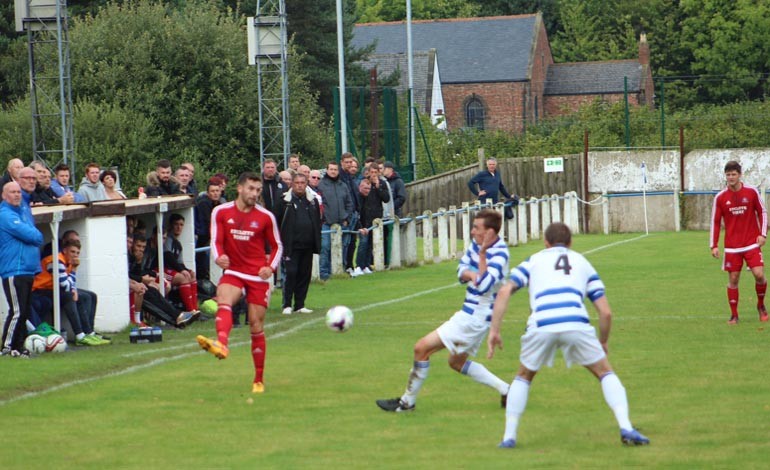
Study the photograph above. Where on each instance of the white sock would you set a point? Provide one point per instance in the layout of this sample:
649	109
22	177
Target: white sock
481	374
80	336
137	317
517	402
417	376
615	396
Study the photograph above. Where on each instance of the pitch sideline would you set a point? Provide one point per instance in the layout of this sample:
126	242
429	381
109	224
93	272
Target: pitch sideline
281	334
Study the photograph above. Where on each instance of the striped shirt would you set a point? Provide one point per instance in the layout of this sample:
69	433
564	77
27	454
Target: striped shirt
480	296
558	279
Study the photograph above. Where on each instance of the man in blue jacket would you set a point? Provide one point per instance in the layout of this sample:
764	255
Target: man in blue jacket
489	183
19	262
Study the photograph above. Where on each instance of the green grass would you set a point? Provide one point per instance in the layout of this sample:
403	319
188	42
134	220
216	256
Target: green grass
697	387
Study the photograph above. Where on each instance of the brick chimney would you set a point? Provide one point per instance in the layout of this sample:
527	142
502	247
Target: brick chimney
644	50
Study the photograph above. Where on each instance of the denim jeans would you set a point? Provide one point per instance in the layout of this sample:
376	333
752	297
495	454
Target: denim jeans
364	250
325	261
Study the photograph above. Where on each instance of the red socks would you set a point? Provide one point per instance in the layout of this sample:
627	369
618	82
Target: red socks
258	347
224	323
732	298
189	296
760	288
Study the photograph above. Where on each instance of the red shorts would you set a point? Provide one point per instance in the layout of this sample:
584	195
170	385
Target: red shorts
257	293
733	262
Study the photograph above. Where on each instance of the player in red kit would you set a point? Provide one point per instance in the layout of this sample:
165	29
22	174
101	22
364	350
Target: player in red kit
743	211
240	231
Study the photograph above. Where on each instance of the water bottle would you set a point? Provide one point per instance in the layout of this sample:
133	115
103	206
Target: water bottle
134	335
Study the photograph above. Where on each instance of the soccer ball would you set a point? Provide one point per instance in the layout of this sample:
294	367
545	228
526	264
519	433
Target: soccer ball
209	307
339	318
55	343
35	344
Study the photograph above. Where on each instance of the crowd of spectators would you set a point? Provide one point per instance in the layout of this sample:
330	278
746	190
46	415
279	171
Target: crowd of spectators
306	203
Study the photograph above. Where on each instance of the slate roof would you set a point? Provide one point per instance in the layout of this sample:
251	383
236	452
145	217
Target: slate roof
422	62
584	78
472	50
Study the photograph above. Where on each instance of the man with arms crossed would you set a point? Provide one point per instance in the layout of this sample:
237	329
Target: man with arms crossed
559	279
483	267
240	230
745	217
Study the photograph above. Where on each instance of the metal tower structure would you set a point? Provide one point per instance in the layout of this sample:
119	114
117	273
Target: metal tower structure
267	50
46	25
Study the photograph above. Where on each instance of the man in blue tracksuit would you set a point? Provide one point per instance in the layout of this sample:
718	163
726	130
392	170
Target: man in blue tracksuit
489	183
19	262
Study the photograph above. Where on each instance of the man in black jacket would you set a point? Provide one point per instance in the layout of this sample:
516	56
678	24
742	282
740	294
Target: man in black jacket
372	200
300	224
272	187
166	185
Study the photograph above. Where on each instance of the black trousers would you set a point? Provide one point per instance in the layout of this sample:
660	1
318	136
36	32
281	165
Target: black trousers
299	268
157	306
18	292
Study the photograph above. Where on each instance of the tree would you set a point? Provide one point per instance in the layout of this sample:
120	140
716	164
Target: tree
730	48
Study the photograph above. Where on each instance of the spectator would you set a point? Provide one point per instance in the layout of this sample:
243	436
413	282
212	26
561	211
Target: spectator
109	180
338	208
87	300
313	180
489	183
183	176
160	182
192	186
91	189
301	236
12	171
19	263
397	187
43	193
286	178
28	183
293	162
65	265
203	225
153	302
348	175
364	248
61	183
273	187
371	209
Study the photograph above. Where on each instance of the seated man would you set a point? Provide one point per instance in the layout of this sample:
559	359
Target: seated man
153	302
181	279
66	264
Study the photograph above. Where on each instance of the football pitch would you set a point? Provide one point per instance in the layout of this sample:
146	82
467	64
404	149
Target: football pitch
698	388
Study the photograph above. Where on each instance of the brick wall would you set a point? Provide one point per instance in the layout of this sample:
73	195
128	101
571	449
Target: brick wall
503	104
567	104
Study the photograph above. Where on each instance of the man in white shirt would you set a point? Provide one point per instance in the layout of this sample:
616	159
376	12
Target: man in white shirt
558	280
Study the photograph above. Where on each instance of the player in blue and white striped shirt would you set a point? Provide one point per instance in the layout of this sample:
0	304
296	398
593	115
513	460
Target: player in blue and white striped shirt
559	279
483	267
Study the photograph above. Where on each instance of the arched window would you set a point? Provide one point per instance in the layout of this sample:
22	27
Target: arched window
474	113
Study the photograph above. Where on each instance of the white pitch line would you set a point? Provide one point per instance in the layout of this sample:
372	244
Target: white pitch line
604	247
301	326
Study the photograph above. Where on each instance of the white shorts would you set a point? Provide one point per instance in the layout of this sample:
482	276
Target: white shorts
538	347
463	333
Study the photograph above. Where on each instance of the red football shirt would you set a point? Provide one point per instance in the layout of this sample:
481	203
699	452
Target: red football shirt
744	215
242	237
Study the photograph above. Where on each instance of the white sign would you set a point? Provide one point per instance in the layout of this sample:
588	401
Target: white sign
554	165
